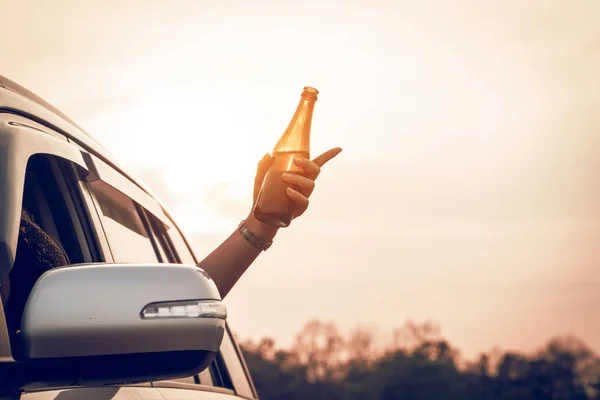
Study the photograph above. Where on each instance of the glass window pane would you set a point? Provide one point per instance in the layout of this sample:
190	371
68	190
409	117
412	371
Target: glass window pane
206	377
235	368
182	249
127	236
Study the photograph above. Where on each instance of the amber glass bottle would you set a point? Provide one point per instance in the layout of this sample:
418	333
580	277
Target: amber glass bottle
273	207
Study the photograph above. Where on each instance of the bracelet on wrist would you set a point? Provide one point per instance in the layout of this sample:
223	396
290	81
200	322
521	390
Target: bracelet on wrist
251	238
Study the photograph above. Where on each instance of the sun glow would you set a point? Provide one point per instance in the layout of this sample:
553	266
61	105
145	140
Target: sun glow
199	146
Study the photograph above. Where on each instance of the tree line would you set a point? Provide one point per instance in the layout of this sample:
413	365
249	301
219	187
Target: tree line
418	364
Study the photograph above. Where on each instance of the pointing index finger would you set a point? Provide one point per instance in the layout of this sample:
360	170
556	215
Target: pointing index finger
328	155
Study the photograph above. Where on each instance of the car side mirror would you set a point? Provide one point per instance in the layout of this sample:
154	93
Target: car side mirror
118	323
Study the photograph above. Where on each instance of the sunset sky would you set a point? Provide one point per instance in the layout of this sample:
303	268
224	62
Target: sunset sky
468	191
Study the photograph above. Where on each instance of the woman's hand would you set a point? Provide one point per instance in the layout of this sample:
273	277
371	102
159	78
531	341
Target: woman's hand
300	187
228	262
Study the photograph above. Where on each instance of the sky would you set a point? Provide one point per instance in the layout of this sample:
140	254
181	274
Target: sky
467	192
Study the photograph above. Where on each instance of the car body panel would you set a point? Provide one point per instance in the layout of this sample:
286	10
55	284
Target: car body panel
33	113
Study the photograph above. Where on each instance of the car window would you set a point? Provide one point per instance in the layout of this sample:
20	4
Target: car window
48	197
167	251
170	241
167	245
216	374
157	232
124	225
230	357
160	237
226	371
206	377
185	254
53	231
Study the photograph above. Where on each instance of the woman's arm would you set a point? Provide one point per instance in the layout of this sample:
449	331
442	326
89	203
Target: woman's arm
228	262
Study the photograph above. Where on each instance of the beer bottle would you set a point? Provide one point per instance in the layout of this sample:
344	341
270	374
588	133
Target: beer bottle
273	207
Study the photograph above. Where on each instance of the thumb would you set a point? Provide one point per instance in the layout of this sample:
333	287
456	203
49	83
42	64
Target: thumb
263	166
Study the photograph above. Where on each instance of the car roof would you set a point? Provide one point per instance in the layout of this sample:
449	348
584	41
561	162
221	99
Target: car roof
14	98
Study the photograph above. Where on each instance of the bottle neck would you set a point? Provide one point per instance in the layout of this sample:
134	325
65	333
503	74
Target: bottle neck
303	116
296	137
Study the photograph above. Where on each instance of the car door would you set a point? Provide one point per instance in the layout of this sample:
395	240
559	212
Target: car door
97	214
138	229
47	177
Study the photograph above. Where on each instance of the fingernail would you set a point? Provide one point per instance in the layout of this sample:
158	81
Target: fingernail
286	176
297	160
290	190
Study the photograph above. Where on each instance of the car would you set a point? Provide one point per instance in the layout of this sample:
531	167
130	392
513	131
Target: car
132	316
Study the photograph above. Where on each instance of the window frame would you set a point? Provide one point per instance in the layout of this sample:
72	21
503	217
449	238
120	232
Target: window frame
149	222
66	165
96	221
22	139
86	229
161	239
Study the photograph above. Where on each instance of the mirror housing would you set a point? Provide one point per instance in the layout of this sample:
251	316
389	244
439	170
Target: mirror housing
101	324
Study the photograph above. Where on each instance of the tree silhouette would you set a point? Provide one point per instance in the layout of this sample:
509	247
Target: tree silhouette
419	364
319	347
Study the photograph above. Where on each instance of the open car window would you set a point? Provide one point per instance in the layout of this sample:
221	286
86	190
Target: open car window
54	231
22	140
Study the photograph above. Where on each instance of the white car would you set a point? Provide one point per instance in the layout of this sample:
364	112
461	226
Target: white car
130	316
